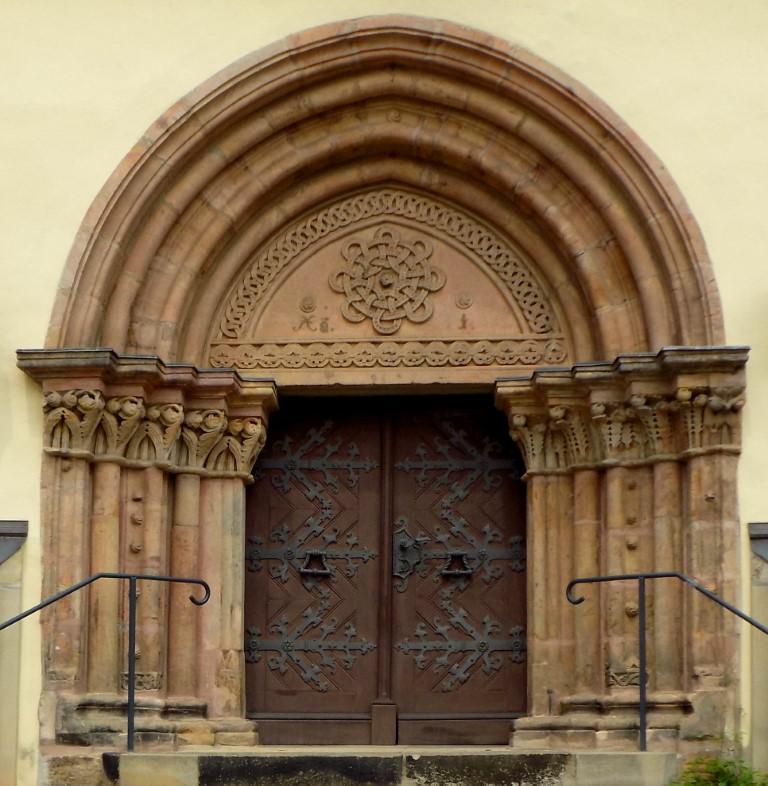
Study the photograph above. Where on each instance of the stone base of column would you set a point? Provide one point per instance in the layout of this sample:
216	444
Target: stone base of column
100	720
610	723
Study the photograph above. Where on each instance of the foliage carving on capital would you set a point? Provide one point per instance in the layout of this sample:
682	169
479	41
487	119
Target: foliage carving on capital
154	438
622	437
71	419
202	430
122	417
557	439
238	448
659	418
711	417
574	424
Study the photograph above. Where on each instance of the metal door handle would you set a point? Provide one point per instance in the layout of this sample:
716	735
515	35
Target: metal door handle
315	564
457	564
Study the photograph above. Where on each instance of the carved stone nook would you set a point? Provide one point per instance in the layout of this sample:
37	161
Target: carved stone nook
387	221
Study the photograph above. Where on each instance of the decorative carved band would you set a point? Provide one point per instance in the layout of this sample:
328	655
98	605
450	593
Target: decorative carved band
475	237
81	423
363	354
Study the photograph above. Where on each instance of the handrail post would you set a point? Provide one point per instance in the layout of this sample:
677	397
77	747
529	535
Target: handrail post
641	578
131	660
132	595
642	666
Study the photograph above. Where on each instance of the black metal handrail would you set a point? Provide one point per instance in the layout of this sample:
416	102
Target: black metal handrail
132	596
641	579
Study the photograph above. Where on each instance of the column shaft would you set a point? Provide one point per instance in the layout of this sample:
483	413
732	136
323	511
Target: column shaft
538	590
667	594
222	564
152	601
183	618
66	530
614	594
103	638
586	521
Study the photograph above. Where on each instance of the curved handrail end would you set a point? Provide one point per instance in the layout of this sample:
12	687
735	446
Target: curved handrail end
206	597
574	599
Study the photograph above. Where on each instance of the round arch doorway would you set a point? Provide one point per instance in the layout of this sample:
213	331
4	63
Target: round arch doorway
394	203
385	586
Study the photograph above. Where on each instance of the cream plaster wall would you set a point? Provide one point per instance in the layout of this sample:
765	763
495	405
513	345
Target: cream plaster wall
83	79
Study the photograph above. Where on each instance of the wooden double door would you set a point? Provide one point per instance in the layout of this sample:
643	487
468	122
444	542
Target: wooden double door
385	583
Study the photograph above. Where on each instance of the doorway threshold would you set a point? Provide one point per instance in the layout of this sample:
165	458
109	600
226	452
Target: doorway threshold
354	765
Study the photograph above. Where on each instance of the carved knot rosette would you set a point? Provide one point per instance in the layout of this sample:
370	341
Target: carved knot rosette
387	280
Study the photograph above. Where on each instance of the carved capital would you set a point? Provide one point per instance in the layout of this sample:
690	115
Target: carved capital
122	417
555	440
711	418
620	430
154	438
71	419
660	417
202	430
575	425
237	449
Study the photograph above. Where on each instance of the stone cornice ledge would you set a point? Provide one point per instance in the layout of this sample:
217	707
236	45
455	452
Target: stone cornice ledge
664	364
56	369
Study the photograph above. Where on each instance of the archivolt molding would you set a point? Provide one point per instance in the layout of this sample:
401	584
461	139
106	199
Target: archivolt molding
670	406
465	118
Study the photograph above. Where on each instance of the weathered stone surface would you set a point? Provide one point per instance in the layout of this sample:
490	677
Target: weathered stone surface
532	769
236	738
158	770
65	769
298	770
392	766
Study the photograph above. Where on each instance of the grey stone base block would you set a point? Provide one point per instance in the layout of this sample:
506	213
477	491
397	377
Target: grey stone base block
391	766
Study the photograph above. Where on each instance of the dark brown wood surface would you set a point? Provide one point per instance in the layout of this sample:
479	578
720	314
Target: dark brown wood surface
337	481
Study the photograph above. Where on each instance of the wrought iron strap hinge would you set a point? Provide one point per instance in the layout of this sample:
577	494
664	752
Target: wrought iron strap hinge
410	556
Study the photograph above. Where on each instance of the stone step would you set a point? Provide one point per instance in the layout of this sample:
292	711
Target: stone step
389	766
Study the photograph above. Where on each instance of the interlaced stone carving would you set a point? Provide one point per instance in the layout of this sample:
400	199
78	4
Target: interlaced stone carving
492	249
387	279
466	651
294	648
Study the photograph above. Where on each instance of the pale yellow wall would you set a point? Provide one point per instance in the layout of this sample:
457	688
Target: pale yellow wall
10	646
83	79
